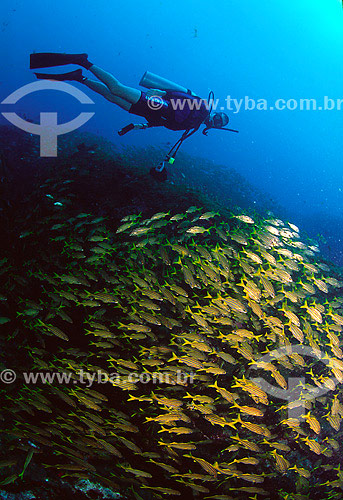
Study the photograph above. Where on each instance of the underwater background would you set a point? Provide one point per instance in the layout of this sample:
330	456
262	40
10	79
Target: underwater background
230	270
266	50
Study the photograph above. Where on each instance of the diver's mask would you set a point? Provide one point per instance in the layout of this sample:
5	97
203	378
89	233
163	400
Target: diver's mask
217	121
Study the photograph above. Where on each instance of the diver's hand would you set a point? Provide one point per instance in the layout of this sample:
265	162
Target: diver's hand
140	126
154	92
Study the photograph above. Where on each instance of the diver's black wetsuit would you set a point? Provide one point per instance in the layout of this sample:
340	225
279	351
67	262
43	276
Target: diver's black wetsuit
175	110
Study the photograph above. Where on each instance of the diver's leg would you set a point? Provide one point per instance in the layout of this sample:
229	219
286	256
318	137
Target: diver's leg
130	94
102	89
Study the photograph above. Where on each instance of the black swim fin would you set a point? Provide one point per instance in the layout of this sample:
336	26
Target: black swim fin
73	75
48	59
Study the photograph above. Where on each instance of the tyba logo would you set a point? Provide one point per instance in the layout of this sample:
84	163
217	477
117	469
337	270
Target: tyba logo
48	129
295	390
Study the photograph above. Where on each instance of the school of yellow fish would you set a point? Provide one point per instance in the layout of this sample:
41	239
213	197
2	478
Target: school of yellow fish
176	313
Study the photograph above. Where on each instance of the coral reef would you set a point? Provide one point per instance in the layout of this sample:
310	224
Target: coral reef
191	352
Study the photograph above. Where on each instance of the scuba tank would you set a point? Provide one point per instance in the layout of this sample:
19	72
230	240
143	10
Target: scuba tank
151	81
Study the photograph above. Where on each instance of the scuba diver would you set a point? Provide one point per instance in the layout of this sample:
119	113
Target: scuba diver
164	104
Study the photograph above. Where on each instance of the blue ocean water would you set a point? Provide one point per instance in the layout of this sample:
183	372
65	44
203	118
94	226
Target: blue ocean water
245	50
80	269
